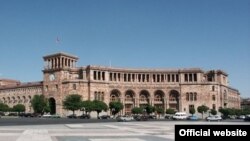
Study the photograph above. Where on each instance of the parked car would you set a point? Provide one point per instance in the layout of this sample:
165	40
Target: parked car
72	116
46	116
84	116
247	118
214	118
12	114
193	117
2	114
152	116
104	117
141	118
55	116
168	116
242	117
124	118
180	116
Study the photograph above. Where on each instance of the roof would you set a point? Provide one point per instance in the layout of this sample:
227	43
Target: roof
60	54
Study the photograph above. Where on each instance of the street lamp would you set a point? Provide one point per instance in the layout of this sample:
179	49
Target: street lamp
113	111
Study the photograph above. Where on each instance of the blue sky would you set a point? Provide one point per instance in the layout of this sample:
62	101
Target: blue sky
209	34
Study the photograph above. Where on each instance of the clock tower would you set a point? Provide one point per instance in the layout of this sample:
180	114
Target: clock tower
57	68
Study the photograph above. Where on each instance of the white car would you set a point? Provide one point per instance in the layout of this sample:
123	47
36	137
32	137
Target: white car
46	115
214	118
179	116
124	118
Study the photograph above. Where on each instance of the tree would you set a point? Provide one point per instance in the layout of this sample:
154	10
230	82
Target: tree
202	109
39	103
99	106
192	110
4	107
170	111
137	110
19	108
225	112
213	112
72	102
115	107
87	106
159	110
150	109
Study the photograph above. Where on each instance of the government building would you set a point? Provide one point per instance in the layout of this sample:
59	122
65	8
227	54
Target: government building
179	89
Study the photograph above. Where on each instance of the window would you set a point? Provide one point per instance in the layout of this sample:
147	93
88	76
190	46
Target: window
187	96
191	97
191	106
195	77
99	75
110	77
214	106
129	79
125	77
172	77
103	75
94	75
213	97
168	77
119	77
190	77
74	86
177	78
195	96
186	77
213	88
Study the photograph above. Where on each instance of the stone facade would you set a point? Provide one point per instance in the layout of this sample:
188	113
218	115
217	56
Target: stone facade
167	88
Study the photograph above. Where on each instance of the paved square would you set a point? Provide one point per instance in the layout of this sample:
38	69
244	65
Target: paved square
113	131
106	131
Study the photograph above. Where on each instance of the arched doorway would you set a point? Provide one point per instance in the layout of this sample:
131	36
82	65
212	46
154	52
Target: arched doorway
144	98
174	100
129	101
52	105
115	95
159	99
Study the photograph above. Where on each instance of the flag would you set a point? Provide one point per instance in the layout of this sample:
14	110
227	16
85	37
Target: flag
57	40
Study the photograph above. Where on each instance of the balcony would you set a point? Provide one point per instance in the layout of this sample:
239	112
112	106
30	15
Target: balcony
173	102
129	100
158	101
143	101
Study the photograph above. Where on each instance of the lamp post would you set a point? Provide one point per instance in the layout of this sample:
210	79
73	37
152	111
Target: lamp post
113	111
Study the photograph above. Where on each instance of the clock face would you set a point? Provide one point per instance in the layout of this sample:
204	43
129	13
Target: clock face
52	77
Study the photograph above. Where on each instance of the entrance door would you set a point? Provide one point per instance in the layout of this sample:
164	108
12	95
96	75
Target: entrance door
52	105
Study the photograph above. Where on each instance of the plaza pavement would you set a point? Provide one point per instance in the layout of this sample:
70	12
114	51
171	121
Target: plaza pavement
112	131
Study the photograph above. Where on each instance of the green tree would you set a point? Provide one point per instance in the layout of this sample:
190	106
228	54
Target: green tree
225	112
19	108
87	106
170	111
213	112
39	103
72	102
159	110
99	106
137	110
150	109
192	110
202	109
246	111
115	107
4	107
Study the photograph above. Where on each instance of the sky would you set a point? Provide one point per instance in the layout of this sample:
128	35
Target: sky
206	34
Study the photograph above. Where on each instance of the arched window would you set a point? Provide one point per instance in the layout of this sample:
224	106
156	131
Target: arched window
191	97
195	96
187	96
